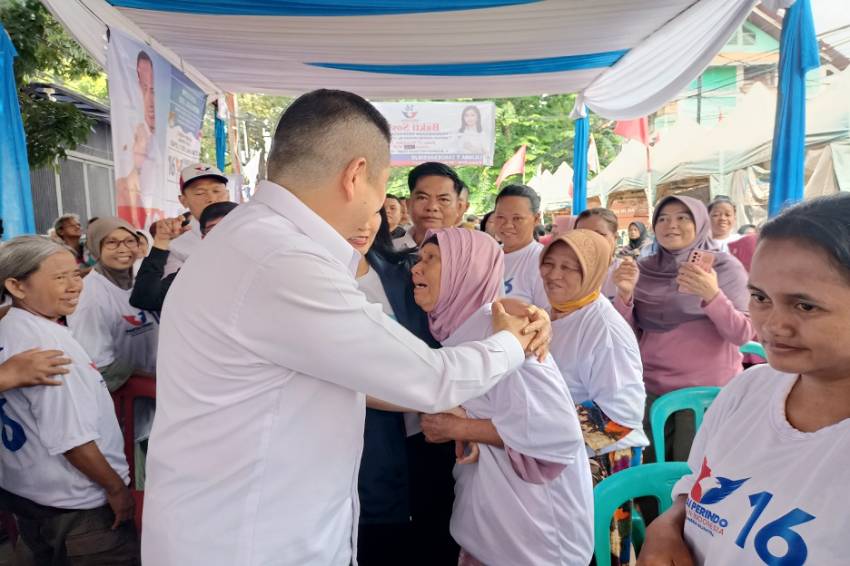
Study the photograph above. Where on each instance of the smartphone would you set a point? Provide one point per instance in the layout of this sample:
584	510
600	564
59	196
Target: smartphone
187	217
702	259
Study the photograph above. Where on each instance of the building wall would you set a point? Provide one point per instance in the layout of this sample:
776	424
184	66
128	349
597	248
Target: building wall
83	183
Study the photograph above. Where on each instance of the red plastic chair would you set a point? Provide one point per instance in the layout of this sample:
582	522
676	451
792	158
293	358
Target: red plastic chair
137	387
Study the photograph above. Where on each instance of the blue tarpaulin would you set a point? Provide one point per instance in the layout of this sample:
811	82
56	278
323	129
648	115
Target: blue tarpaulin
220	140
798	53
15	194
580	143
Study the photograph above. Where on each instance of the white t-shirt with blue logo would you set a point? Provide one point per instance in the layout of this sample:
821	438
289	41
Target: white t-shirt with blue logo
522	275
761	491
41	423
109	328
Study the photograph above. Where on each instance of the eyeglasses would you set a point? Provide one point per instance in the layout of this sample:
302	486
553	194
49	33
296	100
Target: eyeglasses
129	243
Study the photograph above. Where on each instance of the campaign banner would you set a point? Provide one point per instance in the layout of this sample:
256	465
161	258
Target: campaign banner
157	114
455	133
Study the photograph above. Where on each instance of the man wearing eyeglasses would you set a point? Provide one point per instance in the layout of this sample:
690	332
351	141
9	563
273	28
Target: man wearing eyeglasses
200	186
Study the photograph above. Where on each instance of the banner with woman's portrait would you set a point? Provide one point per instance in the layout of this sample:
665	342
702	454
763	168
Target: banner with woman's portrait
157	113
455	133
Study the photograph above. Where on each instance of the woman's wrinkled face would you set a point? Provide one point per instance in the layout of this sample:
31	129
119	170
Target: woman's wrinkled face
118	250
561	273
426	277
53	290
722	220
364	236
675	228
800	308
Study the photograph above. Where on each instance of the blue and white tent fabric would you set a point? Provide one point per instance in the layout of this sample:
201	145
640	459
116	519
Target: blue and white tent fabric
625	57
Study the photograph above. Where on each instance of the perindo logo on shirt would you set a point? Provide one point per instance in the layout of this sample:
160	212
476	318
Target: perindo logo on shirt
708	490
139	323
756	530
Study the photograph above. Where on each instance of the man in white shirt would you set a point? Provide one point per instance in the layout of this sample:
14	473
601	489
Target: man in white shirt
435	202
517	214
267	348
200	186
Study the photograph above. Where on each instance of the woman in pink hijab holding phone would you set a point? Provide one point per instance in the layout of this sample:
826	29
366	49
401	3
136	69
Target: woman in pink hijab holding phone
688	305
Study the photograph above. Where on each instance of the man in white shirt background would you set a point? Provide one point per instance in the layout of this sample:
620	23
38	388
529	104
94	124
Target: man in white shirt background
517	214
200	186
267	348
435	202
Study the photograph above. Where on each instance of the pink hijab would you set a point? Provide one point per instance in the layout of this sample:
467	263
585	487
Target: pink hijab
472	275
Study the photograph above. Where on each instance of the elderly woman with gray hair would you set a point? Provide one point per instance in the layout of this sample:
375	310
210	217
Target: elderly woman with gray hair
62	471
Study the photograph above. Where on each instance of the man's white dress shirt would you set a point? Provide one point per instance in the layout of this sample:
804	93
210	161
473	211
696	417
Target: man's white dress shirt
266	348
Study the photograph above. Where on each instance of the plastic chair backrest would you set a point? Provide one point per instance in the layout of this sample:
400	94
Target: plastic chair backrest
696	399
137	387
754	348
646	480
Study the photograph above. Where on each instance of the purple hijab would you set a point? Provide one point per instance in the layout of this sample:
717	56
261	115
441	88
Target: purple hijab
659	306
472	275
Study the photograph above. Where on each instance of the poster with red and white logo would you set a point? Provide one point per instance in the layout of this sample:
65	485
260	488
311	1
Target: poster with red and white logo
157	114
455	133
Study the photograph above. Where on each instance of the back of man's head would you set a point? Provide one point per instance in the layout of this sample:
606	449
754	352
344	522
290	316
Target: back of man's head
321	132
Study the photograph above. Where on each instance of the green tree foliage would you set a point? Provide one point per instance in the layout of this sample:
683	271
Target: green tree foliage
47	53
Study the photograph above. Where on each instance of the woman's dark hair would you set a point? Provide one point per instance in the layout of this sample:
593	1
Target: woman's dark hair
605	214
483	225
215	211
521	191
383	244
539	232
395	198
477	121
822	222
721	199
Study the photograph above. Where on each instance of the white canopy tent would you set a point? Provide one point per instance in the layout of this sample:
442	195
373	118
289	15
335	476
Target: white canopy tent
625	58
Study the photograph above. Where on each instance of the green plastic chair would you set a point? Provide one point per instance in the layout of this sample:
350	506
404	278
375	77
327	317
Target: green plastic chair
753	348
696	399
646	480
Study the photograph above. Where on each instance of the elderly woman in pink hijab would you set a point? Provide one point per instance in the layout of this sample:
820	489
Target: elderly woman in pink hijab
528	498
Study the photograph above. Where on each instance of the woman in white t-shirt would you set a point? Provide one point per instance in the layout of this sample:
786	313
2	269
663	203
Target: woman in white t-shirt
62	470
724	221
599	358
768	481
528	498
517	214
120	338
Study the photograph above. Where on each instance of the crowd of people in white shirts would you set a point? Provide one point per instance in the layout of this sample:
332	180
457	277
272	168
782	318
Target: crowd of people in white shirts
346	378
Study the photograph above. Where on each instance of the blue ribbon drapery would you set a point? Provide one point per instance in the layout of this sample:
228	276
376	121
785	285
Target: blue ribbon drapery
580	144
798	53
220	140
15	193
